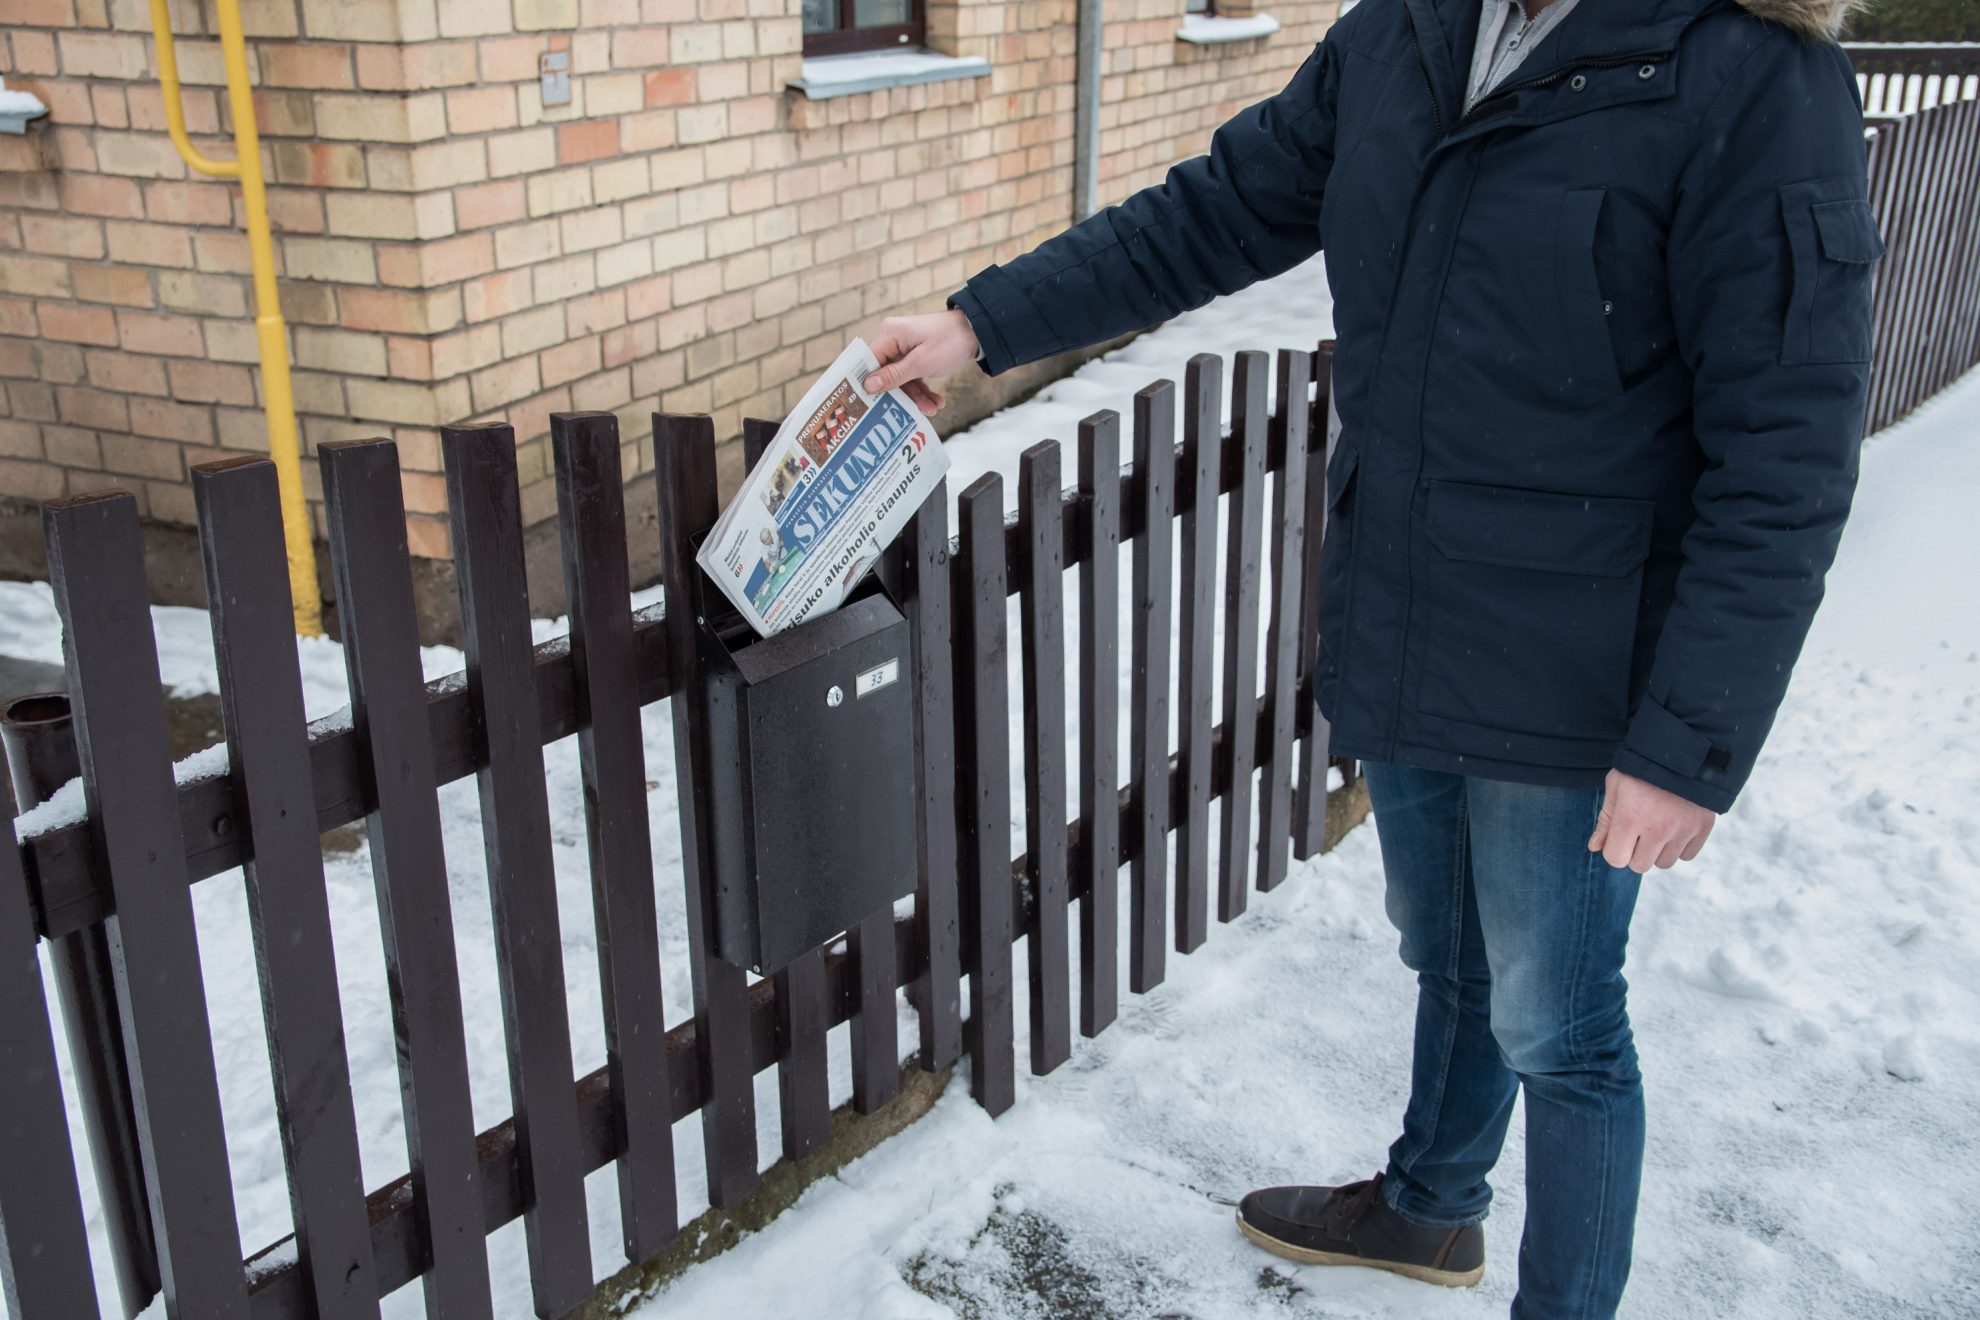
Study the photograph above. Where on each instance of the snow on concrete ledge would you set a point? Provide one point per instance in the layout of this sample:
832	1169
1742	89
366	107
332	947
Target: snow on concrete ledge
1210	30
17	108
827	76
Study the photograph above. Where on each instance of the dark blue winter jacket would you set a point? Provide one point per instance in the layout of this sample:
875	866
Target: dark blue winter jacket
1603	348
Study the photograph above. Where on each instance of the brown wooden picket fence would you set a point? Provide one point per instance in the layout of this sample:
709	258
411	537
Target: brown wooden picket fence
1894	75
1925	191
111	893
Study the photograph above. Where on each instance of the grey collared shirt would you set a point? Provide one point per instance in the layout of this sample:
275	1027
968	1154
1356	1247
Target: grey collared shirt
1505	34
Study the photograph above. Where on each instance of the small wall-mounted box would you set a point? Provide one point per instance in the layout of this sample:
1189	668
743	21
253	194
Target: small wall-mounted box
811	776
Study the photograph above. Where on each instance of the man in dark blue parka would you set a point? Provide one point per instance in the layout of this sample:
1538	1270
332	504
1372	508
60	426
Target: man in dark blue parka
1603	319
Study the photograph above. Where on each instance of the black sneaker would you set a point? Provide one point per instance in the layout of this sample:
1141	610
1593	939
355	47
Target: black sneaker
1353	1225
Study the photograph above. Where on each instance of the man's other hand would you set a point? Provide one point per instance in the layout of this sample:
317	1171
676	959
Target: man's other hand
1642	826
912	349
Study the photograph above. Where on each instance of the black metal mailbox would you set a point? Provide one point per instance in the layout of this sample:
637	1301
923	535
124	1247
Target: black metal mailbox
811	766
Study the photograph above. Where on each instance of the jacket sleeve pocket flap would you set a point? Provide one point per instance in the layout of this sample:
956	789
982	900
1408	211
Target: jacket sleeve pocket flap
1848	231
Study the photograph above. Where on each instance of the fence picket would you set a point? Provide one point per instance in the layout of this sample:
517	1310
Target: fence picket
1148	688
254	647
1202	466
1950	345
684	468
875	1031
367	519
1099	721
1241	591
803	1086
484	505
612	759
937	910
1310	796
96	566
44	1248
1276	759
983	807
1042	615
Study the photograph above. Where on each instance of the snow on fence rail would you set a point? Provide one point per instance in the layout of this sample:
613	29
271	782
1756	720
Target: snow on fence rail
1925	192
112	892
1902	78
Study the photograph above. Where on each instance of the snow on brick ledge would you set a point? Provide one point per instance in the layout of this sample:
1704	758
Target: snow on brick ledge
1210	30
827	76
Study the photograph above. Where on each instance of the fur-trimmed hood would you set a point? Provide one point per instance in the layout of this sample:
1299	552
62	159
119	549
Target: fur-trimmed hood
1822	19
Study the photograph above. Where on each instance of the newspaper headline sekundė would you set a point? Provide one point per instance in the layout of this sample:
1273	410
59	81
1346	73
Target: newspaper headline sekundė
845	472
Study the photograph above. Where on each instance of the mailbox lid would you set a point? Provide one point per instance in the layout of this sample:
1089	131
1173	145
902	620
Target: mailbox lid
828	721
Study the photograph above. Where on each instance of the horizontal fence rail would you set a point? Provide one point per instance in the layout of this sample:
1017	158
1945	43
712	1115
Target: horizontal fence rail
1252	755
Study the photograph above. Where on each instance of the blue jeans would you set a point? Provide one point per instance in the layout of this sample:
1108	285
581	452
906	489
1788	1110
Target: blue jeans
1516	934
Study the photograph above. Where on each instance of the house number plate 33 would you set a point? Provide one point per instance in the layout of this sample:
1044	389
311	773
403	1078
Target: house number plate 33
876	678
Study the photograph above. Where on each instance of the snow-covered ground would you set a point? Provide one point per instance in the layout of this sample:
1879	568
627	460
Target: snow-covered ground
1804	999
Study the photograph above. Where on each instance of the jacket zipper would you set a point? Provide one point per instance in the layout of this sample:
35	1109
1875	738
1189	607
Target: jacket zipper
1436	108
1394	737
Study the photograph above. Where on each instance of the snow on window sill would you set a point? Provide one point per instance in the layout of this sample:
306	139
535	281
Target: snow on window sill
17	108
1210	30
826	76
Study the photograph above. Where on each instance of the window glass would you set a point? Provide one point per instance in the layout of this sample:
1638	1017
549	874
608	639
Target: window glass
820	15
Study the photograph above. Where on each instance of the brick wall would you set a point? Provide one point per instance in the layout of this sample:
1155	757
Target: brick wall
685	234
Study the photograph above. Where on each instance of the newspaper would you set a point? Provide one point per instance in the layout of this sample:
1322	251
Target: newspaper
845	472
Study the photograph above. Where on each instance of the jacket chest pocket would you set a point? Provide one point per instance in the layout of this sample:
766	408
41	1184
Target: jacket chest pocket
1587	350
1834	244
1531	605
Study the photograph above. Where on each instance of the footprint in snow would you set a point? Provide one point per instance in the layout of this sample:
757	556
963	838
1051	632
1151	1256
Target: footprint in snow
1904	1057
1733	972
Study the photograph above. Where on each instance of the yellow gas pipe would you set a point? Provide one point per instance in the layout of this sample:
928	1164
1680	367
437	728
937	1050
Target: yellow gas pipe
284	446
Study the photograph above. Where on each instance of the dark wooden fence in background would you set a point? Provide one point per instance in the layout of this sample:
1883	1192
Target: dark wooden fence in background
113	891
1896	77
1925	191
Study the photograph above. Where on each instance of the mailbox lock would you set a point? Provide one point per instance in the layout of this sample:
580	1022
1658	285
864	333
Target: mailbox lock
834	695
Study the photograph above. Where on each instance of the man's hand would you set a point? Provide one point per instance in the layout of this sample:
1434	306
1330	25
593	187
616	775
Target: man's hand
913	348
1642	826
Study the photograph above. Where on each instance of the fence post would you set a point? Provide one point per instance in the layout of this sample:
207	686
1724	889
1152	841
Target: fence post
44	1248
39	737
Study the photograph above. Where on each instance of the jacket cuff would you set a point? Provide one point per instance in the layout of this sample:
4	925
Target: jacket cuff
1007	326
1662	749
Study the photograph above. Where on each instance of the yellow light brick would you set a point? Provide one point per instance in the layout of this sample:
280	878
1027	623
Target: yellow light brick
449	164
626	261
343	261
472	18
545	15
567	278
565	190
395	401
617	180
340	350
372	215
522	152
614	94
523	245
138	155
532	331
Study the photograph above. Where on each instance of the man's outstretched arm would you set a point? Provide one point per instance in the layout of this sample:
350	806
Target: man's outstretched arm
1248	210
